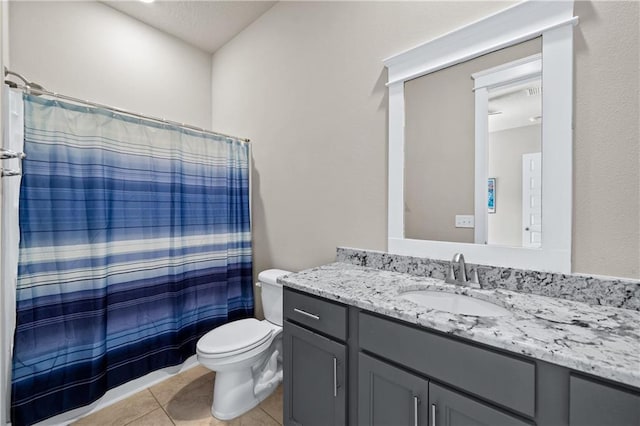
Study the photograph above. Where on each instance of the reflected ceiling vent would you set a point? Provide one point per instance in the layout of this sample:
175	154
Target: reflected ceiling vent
533	91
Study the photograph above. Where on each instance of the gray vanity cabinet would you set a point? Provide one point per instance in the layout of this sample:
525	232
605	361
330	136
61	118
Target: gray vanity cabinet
315	365
449	408
489	375
390	373
389	396
592	403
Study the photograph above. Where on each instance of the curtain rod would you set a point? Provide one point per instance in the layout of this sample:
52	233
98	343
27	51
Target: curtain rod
39	90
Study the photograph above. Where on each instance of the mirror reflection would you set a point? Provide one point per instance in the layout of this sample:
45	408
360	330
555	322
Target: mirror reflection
515	165
440	154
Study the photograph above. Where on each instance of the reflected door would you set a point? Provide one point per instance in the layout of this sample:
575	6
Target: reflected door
532	200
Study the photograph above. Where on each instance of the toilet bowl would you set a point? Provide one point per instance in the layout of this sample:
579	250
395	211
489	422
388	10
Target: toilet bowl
246	354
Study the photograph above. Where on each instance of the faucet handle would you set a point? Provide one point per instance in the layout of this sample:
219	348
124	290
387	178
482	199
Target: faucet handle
462	268
475	280
451	275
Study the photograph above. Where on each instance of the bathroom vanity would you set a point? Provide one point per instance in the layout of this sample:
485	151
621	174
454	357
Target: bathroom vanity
567	352
357	352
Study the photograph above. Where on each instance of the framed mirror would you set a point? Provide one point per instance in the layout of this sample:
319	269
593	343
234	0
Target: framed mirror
480	141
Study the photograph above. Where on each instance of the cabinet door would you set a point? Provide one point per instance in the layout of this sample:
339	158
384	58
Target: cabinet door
598	404
314	378
389	396
448	408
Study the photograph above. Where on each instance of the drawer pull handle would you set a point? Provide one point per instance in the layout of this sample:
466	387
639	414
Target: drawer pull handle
335	377
307	314
433	414
416	401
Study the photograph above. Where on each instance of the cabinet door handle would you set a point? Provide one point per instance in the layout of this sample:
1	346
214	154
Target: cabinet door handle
335	377
416	401
307	314
433	414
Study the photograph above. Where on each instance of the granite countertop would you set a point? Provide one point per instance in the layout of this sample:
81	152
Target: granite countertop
600	340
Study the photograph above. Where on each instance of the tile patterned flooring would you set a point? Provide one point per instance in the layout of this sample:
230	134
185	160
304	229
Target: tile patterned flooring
184	399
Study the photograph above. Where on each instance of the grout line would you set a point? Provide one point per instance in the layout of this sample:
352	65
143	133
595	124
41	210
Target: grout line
162	408
267	413
154	397
150	411
138	418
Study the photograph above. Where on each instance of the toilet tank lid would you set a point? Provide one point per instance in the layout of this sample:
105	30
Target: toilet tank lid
270	276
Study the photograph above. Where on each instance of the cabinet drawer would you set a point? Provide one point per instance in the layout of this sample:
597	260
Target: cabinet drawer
594	403
492	376
317	314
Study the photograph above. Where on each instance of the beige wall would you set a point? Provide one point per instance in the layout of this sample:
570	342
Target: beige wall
506	148
606	227
306	83
90	51
439	174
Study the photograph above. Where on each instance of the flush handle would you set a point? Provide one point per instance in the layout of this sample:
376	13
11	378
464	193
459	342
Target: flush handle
306	314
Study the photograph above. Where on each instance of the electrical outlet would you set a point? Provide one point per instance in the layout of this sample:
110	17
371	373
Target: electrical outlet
465	221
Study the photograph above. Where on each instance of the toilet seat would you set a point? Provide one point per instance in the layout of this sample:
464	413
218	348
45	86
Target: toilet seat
235	338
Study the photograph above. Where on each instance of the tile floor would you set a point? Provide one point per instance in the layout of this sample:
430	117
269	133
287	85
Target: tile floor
184	399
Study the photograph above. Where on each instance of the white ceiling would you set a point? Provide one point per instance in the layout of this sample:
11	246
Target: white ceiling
514	106
206	24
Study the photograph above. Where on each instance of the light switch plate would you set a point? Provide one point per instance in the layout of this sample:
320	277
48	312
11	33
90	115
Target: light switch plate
465	221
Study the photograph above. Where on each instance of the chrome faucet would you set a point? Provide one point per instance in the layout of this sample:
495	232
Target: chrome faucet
462	274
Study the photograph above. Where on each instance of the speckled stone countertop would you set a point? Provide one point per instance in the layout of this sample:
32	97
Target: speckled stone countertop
600	340
615	292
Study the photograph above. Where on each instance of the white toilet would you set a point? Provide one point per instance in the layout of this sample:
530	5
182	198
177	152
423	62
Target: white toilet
246	354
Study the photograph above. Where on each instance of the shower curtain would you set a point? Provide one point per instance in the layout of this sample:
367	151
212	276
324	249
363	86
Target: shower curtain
134	241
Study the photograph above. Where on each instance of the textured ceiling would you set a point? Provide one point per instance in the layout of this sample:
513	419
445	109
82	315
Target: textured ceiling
207	25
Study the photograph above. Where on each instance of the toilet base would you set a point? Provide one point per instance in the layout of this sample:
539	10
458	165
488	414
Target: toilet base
233	394
243	380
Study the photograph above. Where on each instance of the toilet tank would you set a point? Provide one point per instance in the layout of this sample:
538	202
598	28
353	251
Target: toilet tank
272	294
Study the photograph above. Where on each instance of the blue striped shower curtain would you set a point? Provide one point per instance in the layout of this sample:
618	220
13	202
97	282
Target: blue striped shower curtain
134	242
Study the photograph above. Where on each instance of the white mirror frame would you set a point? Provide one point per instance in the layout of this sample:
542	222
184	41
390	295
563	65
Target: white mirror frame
553	21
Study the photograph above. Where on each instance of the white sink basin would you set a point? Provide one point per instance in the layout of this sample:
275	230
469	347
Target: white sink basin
455	303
